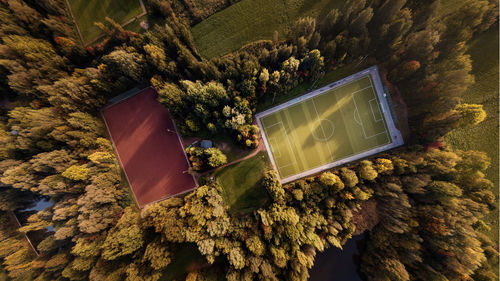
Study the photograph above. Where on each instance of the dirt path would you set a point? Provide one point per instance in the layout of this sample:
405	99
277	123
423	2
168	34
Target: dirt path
259	148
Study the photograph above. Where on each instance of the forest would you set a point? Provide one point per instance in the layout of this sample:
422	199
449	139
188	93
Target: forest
423	204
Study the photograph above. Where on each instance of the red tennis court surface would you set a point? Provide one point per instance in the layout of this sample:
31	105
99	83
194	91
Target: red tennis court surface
149	148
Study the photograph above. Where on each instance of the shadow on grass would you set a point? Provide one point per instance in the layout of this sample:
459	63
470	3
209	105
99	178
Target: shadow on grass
251	199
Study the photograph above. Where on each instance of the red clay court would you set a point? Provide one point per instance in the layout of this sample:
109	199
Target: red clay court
149	147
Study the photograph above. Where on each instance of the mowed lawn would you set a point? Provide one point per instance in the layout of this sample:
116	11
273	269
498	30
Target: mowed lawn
483	137
87	12
241	186
251	20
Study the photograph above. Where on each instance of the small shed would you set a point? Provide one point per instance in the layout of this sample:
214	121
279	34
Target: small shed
206	144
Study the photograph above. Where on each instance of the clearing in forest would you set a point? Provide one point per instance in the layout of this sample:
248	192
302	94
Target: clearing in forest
344	121
85	13
241	183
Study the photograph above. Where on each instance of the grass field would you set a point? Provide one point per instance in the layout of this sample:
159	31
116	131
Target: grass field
240	183
327	128
88	12
483	137
251	20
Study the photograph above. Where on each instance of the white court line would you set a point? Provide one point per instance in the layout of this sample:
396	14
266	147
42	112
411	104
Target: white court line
285	166
373	112
357	110
273	140
289	145
361	121
362	89
371	74
375	94
354	116
377	134
319	120
267	127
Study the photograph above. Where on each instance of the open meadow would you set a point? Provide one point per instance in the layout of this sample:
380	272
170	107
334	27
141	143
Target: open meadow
251	20
240	183
86	13
483	137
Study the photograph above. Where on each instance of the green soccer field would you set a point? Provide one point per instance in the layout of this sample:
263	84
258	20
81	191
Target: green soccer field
328	127
87	12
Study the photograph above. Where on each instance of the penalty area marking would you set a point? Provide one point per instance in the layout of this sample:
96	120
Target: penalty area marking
373	111
360	122
289	145
275	148
381	109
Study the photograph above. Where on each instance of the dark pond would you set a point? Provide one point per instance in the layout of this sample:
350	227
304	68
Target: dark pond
338	265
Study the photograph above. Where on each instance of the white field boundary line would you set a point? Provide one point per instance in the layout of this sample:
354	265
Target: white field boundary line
359	115
267	127
373	112
356	113
395	134
353	157
354	116
397	139
268	148
270	145
324	135
275	148
287	165
361	121
384	123
289	146
335	85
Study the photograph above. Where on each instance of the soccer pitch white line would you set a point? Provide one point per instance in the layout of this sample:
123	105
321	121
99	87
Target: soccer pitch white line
363	89
273	140
324	135
267	127
354	116
371	73
361	121
382	110
289	145
373	112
